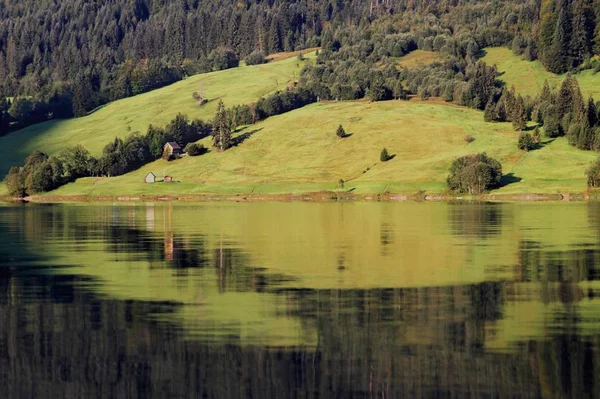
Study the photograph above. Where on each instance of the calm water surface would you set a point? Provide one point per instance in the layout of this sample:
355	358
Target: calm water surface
281	300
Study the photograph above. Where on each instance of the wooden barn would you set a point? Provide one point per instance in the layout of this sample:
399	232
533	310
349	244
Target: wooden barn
150	178
172	149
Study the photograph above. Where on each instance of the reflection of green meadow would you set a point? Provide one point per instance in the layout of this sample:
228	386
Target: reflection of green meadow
349	246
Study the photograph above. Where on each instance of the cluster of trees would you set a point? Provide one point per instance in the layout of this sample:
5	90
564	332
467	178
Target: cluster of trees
271	105
474	174
566	113
569	33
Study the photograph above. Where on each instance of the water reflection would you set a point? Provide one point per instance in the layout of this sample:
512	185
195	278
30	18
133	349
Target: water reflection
277	300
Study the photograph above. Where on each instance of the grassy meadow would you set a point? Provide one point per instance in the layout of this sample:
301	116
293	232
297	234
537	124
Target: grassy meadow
528	77
418	58
240	85
299	152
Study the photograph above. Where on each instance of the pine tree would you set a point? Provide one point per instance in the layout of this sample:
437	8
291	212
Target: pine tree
559	60
275	39
490	113
340	132
592	112
384	156
519	115
546	95
583	31
221	128
569	99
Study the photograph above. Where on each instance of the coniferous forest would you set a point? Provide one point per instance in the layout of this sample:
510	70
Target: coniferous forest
63	59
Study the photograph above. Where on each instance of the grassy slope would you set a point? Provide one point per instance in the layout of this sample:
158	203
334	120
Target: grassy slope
528	77
235	86
299	152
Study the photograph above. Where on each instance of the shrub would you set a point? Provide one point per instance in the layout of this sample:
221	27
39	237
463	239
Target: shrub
525	142
593	174
255	58
199	99
469	138
340	132
15	182
474	174
537	136
384	156
194	149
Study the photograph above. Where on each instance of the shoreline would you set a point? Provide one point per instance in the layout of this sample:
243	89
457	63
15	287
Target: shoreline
321	196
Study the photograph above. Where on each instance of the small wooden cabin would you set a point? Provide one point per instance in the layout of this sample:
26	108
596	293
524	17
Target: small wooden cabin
150	178
172	149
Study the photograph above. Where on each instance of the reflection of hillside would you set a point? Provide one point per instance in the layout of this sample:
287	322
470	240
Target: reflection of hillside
419	342
497	275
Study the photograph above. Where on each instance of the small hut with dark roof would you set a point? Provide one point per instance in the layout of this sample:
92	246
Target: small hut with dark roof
172	149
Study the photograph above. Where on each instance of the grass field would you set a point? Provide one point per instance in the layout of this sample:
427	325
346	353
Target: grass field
528	77
418	58
299	152
234	86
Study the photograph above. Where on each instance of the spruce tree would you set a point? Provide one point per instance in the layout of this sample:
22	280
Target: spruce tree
592	112
583	31
221	128
384	156
519	115
560	59
340	132
546	95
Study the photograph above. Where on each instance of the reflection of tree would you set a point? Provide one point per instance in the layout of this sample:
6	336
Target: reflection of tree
386	238
477	219
574	265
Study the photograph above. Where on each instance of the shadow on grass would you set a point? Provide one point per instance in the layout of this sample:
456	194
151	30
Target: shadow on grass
508	179
239	139
480	54
346	135
541	144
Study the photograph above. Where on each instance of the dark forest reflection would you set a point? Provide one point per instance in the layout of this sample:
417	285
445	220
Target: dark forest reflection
300	300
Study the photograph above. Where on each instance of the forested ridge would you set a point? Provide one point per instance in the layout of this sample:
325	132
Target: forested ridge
68	57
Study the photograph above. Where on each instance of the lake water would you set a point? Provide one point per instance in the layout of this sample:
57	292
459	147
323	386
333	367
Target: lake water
274	300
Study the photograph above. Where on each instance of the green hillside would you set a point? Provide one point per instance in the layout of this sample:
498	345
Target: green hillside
240	85
528	77
299	152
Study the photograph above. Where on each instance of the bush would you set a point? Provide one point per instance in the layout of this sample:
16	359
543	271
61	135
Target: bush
525	142
194	149
384	156
469	138
15	182
474	174
593	174
255	58
340	132
199	99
